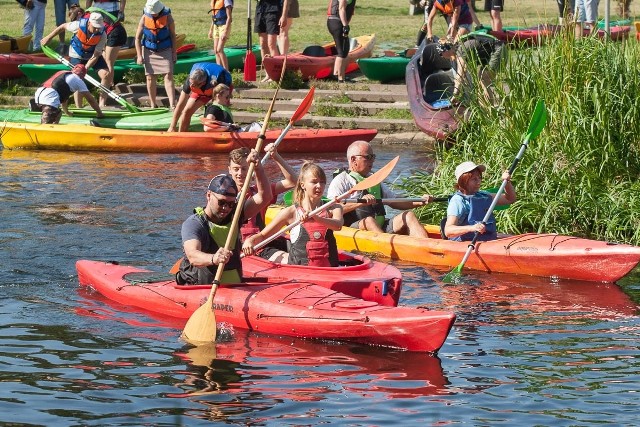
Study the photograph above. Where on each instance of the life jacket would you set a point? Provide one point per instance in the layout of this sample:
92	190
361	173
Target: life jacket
212	70
376	210
83	42
334	6
110	21
478	205
447	7
191	275
226	115
313	244
219	13
155	30
58	83
253	225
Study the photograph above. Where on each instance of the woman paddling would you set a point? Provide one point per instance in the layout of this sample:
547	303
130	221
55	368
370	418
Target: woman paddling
312	241
469	204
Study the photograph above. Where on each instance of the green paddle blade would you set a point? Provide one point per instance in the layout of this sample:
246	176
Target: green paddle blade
538	120
453	276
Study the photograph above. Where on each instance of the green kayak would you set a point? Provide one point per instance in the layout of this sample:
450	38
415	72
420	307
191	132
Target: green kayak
39	73
388	68
150	119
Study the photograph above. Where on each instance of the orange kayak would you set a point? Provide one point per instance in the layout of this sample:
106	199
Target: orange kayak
546	255
29	136
271	306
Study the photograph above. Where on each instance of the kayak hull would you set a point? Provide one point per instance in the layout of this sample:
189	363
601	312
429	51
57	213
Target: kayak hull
280	308
9	63
546	255
384	68
319	67
432	113
17	45
357	276
89	138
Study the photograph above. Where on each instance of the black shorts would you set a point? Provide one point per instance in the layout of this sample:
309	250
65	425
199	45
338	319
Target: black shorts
493	5
268	22
342	43
117	36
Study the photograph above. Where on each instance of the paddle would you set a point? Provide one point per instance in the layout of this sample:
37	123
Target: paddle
369	181
201	326
398	200
302	109
55	55
250	58
538	120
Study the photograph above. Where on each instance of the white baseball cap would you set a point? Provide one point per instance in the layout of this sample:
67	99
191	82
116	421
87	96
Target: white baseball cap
465	167
96	20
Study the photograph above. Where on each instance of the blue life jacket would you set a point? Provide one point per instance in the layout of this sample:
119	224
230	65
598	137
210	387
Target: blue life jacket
219	15
155	30
477	204
83	42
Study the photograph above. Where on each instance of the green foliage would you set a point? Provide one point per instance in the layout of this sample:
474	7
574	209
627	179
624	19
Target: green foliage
393	113
16	87
134	76
580	176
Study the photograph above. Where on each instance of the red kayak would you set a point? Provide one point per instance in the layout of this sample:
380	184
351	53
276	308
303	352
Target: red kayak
276	307
357	276
9	63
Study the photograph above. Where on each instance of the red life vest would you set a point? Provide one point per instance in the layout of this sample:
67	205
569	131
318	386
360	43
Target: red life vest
315	245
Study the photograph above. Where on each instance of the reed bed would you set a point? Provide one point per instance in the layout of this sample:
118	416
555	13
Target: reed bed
580	176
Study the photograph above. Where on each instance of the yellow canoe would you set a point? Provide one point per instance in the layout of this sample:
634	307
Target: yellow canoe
15	44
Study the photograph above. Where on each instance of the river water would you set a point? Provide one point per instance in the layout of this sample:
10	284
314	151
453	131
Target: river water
524	351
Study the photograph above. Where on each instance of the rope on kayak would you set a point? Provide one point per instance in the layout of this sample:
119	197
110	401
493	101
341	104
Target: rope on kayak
556	241
140	278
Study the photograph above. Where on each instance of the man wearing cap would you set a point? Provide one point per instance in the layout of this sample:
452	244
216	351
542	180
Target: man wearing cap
53	96
371	214
204	233
469	205
197	91
87	44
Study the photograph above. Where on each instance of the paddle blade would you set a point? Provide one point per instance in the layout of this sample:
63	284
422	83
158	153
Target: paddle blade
453	276
201	326
538	120
250	66
376	178
304	106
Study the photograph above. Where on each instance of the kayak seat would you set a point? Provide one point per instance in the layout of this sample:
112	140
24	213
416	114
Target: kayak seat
443	222
438	86
317	51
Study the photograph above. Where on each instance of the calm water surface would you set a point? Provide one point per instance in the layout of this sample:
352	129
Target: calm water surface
524	351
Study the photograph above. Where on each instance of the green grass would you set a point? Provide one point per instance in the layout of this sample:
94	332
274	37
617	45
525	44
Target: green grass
580	176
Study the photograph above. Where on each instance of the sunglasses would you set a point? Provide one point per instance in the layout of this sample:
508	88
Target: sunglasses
225	203
368	157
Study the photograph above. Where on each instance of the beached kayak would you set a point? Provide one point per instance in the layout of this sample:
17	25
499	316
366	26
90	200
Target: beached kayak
9	63
429	79
387	68
317	61
275	307
41	72
546	255
15	44
89	138
357	276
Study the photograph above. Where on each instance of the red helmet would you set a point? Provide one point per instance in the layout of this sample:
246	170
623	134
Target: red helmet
79	70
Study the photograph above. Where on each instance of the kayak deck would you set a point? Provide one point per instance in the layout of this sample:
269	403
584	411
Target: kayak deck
275	307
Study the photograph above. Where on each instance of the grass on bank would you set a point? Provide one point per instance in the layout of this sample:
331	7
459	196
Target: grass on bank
580	176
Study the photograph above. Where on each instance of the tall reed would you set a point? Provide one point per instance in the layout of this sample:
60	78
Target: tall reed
580	176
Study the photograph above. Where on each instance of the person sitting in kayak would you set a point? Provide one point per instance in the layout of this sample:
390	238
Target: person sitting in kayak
197	91
469	205
275	251
458	16
370	215
53	96
312	241
219	109
488	51
205	232
87	44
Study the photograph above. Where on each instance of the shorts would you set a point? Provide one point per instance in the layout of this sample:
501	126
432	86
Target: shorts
218	31
586	11
294	9
468	27
50	115
493	5
200	98
387	226
100	64
267	22
342	43
117	36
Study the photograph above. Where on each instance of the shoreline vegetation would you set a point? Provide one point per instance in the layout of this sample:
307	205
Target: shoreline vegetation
579	177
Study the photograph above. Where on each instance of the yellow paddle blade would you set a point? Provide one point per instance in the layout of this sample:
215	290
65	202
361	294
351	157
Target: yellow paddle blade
377	177
201	326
